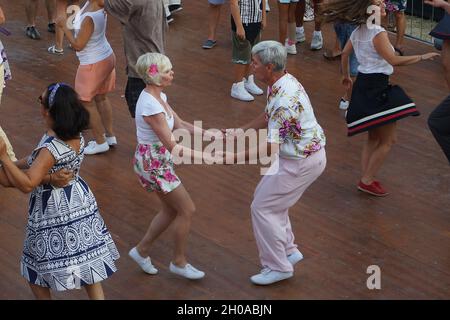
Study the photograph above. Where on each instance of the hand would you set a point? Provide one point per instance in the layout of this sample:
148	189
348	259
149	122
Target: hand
61	178
430	56
231	132
228	157
347	82
240	32
2	147
436	3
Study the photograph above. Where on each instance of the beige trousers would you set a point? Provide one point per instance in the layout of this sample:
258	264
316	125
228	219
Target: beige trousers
2	133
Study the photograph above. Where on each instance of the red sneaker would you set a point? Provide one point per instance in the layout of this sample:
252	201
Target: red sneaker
374	189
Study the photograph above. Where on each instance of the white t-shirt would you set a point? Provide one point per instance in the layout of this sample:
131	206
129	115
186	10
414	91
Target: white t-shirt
98	47
369	59
147	105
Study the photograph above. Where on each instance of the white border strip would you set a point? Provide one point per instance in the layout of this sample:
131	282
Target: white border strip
377	115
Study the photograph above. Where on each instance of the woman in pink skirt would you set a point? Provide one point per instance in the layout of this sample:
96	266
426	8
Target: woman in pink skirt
96	75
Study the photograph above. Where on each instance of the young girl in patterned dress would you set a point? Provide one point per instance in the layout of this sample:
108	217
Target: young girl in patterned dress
67	245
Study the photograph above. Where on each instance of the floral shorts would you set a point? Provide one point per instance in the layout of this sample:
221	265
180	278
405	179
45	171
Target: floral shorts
154	167
396	5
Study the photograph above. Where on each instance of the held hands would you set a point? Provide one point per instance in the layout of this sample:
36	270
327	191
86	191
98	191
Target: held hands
61	178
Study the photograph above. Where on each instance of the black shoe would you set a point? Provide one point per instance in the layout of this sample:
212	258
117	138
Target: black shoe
33	33
51	27
175	8
169	19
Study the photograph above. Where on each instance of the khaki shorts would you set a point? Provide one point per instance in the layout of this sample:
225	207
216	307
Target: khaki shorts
242	49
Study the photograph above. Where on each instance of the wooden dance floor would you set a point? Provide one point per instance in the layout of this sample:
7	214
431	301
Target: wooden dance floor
340	231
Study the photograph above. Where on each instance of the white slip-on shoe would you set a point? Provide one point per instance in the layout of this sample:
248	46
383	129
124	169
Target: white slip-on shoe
268	276
188	271
251	86
112	141
295	257
94	148
144	263
300	35
239	92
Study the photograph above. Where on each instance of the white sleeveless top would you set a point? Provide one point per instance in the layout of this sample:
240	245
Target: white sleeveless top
147	105
98	47
369	59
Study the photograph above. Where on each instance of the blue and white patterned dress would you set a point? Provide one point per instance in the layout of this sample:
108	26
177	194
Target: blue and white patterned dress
67	244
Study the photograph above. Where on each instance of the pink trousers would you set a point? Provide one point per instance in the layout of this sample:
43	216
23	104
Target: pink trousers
274	195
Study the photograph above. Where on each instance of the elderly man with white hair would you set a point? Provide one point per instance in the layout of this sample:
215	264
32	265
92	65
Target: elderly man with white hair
297	137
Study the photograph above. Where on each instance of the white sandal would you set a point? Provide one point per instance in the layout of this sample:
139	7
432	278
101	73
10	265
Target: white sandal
53	50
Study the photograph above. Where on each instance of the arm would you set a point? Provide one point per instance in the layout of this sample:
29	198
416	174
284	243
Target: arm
264	20
181	124
80	42
237	19
345	55
439	4
384	49
2	16
27	181
159	125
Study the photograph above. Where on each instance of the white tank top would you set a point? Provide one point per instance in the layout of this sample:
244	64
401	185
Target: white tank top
98	47
369	59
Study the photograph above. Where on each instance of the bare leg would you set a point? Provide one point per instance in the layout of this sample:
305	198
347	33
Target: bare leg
317	18
300	13
213	20
61	6
51	6
106	115
283	11
95	122
369	146
40	293
95	291
181	202
387	137
400	20
446	60
240	71
159	224
31	8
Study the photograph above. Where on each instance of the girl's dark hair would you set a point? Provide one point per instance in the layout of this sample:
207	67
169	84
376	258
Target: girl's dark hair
353	11
69	115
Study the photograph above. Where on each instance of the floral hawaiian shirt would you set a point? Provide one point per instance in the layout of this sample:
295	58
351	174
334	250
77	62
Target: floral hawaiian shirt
291	120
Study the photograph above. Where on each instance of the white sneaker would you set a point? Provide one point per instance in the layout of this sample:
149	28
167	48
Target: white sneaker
112	141
94	148
309	12
144	263
239	92
188	271
290	48
300	35
343	104
268	276
295	257
267	6
251	86
317	41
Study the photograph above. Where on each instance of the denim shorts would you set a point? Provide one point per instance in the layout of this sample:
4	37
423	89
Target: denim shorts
216	2
288	1
343	33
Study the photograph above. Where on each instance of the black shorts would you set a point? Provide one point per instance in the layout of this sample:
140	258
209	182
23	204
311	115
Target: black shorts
132	93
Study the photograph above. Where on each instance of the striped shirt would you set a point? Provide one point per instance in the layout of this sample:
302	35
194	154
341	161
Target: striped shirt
250	10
